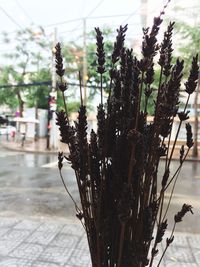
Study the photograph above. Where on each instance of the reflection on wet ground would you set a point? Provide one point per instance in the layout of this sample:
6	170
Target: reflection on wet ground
30	186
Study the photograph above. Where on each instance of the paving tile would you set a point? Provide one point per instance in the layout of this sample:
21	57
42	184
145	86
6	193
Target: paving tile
83	244
14	262
196	253
56	255
15	235
179	264
65	241
179	254
7	246
8	222
79	258
73	229
180	240
52	243
27	251
50	226
194	241
44	264
41	237
27	225
3	231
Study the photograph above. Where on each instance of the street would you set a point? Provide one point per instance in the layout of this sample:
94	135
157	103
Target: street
30	186
35	208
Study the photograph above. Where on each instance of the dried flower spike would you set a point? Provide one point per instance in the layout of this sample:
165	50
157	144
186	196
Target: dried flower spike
190	142
161	231
59	61
183	116
169	241
193	77
118	45
182	151
100	51
60	160
179	216
166	50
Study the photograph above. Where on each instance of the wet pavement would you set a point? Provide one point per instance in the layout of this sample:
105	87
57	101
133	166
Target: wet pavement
29	187
37	218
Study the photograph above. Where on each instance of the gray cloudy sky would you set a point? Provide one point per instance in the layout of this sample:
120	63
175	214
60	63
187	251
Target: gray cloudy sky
16	14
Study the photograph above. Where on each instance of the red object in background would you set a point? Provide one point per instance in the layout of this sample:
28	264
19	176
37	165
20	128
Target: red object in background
12	134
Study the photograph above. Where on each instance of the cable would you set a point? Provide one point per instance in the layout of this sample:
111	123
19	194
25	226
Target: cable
94	9
92	28
124	21
77	19
23	10
11	18
90	13
62	22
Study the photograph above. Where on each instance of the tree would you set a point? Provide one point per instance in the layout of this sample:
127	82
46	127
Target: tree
73	57
7	96
73	61
38	95
190	45
25	60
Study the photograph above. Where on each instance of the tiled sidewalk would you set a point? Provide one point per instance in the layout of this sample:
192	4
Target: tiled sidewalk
39	243
51	243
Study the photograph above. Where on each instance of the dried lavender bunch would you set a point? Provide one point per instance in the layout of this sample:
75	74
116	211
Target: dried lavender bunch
116	165
118	45
101	58
166	50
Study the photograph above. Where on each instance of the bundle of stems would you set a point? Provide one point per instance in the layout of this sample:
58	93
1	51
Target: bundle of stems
121	194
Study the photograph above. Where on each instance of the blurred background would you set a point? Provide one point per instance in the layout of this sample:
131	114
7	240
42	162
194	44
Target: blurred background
34	206
29	31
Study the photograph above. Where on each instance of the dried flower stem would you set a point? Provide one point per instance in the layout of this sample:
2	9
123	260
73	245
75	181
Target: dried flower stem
177	133
117	168
80	87
167	245
101	88
65	105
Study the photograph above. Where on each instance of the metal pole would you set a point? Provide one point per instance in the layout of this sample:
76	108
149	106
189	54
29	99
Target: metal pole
196	119
143	13
53	94
84	64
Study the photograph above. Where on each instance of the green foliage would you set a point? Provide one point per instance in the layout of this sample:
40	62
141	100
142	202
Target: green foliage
38	95
8	95
25	64
190	41
73	57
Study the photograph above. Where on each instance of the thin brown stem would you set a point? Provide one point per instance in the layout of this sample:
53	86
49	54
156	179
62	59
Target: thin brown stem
177	133
177	170
166	245
75	204
130	170
80	87
168	145
170	198
101	88
139	101
64	101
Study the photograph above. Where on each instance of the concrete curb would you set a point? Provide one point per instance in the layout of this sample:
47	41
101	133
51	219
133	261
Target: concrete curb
17	147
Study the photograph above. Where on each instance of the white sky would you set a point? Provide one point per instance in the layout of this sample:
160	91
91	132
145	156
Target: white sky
16	14
67	16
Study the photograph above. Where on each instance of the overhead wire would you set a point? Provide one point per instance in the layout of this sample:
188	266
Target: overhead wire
10	17
90	13
23	10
